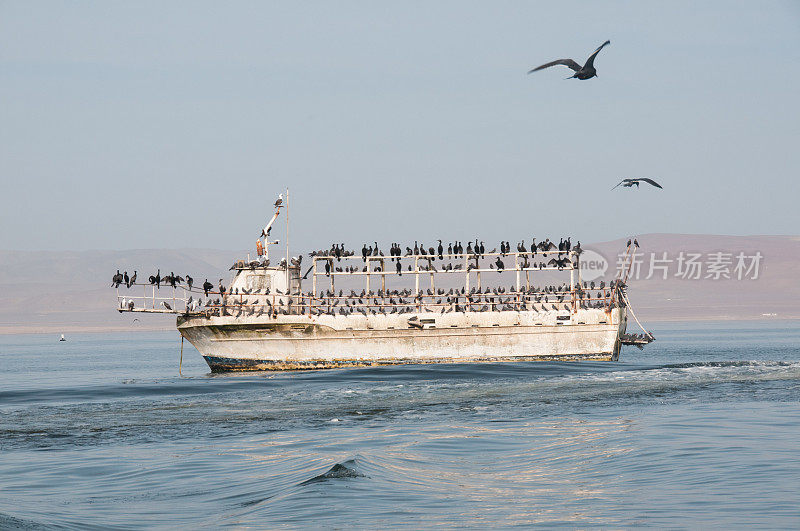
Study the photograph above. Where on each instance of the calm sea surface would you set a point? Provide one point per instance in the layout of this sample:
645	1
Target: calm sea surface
700	429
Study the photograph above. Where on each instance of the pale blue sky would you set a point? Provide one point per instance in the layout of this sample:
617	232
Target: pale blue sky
163	124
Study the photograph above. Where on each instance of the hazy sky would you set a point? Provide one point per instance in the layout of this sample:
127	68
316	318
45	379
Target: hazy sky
141	125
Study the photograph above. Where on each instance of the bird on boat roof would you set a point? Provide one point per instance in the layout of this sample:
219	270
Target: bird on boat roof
628	183
587	71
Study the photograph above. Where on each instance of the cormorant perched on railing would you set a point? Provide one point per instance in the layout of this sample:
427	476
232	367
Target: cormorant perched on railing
156	279
116	280
132	280
207	286
587	71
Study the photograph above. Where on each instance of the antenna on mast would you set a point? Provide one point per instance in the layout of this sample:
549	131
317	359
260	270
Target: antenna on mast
263	248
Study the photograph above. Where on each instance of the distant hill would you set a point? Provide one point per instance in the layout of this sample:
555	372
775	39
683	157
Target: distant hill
774	294
70	291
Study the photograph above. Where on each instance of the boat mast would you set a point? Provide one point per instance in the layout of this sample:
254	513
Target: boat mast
288	278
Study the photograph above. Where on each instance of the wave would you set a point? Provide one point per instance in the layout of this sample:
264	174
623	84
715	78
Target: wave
338	471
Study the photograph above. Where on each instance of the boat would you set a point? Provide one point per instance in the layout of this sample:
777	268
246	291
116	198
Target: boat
358	314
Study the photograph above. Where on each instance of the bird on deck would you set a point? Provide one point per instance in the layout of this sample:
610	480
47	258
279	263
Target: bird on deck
279	201
207	286
126	280
587	71
166	305
500	265
189	281
628	183
221	288
132	280
116	280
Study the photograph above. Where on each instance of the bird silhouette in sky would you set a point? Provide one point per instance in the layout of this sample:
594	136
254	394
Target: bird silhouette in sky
627	183
586	71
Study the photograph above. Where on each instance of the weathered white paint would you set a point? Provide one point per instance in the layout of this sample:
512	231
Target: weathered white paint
303	341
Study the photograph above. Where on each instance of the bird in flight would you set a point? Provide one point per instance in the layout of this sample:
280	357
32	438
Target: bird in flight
586	71
627	183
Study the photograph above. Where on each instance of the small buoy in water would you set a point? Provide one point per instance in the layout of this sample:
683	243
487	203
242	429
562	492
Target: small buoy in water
334	420
63	338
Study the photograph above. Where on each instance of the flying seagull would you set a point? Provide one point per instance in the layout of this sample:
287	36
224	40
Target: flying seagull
586	71
627	183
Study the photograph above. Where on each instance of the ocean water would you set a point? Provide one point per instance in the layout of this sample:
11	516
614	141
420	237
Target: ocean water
700	429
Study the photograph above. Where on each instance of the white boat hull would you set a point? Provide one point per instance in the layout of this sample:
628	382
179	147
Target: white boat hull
290	342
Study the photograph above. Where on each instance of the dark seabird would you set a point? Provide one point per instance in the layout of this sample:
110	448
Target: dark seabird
628	183
586	71
279	201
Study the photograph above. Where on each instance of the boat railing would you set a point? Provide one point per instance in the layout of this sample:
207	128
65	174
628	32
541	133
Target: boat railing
519	262
181	300
152	300
303	303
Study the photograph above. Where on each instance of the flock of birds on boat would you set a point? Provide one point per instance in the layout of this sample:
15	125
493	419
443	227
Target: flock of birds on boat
255	302
454	249
396	301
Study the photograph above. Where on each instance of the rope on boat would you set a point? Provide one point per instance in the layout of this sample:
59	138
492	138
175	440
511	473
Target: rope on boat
628	304
180	363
